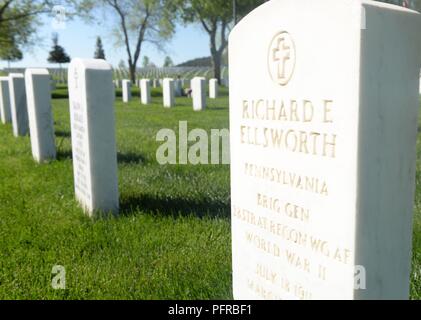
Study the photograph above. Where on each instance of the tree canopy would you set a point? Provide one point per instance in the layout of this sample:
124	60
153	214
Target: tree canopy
19	20
99	51
217	19
146	62
168	62
58	54
134	23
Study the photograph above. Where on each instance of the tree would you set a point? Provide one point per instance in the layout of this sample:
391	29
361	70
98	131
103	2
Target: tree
122	65
168	62
136	22
19	20
58	54
16	27
216	18
99	51
11	54
146	62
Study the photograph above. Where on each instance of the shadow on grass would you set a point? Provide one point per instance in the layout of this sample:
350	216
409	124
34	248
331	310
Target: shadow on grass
126	158
63	134
216	108
64	155
174	207
60	94
131	158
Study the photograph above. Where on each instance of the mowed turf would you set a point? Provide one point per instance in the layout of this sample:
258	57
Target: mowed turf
172	240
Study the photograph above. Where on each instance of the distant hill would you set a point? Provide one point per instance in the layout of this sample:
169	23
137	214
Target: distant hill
199	62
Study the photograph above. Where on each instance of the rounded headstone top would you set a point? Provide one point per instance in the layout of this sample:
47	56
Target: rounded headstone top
37	71
16	75
97	64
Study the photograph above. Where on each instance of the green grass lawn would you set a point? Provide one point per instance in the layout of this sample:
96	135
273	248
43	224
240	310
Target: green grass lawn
172	240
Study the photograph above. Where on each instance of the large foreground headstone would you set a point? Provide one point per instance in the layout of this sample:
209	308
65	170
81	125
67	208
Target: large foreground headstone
213	88
145	91
199	93
18	106
127	90
169	93
5	113
323	111
41	124
93	135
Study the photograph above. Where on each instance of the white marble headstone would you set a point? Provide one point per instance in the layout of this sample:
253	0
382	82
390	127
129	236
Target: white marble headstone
145	91
199	93
53	85
6	116
18	106
178	87
93	135
323	116
213	88
127	90
168	93
41	123
225	82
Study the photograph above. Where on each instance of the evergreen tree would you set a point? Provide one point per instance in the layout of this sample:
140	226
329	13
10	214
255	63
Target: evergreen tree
122	65
146	62
58	54
168	62
99	52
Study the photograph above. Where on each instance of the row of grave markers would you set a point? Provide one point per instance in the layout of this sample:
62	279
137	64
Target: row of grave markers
25	101
157	83
171	89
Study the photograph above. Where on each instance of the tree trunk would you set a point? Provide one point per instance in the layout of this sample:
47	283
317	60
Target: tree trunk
132	70
216	64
